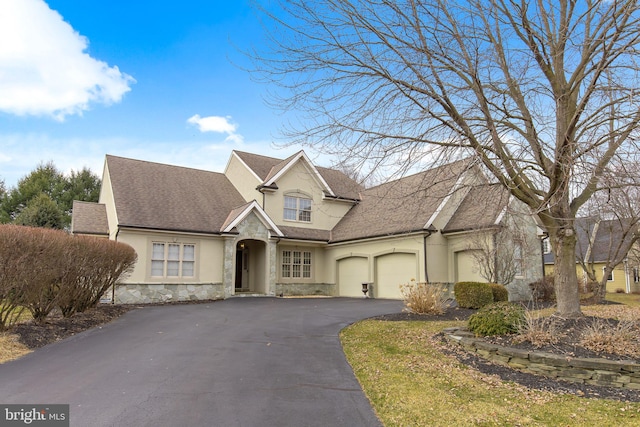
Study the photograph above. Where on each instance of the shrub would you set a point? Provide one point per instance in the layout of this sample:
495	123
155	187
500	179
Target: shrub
94	266
500	292
499	318
543	290
473	294
424	298
12	275
41	269
612	337
539	331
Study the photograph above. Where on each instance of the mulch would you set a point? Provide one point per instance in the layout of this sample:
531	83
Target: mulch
56	328
531	381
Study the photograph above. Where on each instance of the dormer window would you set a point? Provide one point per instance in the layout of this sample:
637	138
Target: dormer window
297	208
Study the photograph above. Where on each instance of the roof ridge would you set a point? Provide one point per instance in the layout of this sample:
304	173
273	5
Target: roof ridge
149	162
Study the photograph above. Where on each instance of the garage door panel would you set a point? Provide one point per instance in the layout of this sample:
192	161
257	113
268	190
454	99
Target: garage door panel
393	270
352	272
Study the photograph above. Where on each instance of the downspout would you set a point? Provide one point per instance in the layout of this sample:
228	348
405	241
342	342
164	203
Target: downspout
627	282
424	249
113	288
494	238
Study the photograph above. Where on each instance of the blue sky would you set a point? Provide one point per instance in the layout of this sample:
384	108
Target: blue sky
159	81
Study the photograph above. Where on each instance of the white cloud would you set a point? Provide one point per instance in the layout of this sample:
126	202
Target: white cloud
44	69
217	124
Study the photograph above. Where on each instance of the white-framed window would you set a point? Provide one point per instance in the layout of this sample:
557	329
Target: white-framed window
297	208
173	259
610	276
296	264
636	274
518	260
546	246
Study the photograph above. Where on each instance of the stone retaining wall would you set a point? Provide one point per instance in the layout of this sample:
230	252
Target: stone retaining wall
602	372
148	293
305	289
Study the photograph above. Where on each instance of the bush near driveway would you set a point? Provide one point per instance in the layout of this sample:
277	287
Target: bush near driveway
42	269
473	294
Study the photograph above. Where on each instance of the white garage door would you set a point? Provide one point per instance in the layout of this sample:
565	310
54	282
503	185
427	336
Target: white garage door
352	272
467	268
392	270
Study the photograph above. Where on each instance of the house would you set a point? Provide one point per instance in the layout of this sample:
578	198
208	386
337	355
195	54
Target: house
272	226
598	242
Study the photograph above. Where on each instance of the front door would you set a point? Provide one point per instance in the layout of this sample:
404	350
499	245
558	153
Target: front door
242	269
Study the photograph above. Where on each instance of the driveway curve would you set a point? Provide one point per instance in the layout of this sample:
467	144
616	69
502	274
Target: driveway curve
239	362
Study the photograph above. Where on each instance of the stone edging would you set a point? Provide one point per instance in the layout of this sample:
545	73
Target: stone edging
602	372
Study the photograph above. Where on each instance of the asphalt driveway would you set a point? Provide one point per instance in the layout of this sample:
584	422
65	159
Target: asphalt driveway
238	362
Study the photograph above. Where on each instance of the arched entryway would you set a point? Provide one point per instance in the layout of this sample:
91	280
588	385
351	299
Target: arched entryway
250	267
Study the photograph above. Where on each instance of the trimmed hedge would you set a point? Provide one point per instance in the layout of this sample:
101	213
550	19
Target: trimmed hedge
473	294
500	292
41	269
499	318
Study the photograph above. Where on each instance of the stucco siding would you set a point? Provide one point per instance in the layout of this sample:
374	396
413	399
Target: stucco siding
209	256
106	198
299	181
243	180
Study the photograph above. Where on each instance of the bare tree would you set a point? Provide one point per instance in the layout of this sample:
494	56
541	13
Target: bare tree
543	93
613	226
498	255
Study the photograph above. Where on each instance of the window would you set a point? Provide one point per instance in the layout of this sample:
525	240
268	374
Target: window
297	209
173	260
610	276
518	262
636	274
296	264
546	246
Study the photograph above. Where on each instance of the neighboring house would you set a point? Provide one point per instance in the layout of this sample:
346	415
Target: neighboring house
287	227
597	243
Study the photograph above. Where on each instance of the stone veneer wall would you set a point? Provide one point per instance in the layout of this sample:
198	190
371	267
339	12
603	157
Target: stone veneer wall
150	293
602	372
304	289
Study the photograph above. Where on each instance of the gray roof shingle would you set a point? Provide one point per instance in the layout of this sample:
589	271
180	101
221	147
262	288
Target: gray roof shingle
401	206
479	209
89	218
165	197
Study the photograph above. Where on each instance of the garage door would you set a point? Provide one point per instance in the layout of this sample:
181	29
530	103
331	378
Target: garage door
392	270
467	268
352	272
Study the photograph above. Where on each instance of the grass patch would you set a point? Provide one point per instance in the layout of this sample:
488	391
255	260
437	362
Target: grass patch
410	382
632	300
11	348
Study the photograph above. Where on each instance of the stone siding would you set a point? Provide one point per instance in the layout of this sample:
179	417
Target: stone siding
150	293
602	372
304	289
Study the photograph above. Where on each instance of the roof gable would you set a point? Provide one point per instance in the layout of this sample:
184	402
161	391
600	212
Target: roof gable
239	214
334	183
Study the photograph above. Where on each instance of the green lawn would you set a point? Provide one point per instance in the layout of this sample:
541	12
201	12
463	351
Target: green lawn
410	382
